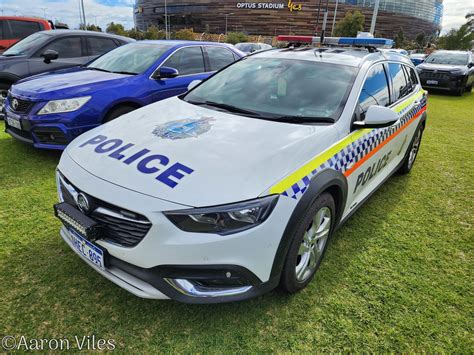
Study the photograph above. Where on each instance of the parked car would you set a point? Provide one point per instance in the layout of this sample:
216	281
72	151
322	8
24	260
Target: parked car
395	50
51	50
248	47
52	109
417	58
448	70
14	28
236	187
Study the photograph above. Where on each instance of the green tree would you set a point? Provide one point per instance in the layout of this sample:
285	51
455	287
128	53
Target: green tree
400	40
184	34
457	39
350	24
154	33
116	28
236	37
135	33
421	39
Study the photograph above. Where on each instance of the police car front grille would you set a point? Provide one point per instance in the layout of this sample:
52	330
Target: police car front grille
23	105
120	226
434	75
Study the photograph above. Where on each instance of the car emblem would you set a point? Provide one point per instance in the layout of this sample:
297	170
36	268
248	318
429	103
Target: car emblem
83	203
15	104
186	128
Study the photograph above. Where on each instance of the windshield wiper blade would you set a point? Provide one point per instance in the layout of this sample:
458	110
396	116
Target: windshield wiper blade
303	119
98	69
123	72
226	107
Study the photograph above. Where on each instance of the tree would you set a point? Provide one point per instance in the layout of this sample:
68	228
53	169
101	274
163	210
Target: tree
116	28
185	34
350	24
154	33
91	27
135	34
457	39
400	39
421	39
236	37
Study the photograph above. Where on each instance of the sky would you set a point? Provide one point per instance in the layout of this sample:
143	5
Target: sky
101	12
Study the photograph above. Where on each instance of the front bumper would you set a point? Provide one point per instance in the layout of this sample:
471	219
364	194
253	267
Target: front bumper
447	84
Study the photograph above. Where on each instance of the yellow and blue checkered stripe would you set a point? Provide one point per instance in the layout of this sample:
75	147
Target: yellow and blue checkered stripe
347	154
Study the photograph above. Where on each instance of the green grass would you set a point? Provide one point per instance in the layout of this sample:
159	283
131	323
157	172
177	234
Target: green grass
397	277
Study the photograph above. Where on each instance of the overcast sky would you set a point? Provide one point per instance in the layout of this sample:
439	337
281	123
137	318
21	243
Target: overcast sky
102	12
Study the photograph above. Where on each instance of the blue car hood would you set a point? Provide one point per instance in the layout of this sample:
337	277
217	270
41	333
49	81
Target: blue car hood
65	85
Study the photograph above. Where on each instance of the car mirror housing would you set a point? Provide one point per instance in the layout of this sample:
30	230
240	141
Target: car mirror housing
165	73
49	55
377	117
193	84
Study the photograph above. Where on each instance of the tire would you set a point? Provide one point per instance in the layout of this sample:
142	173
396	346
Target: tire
412	152
460	91
3	94
315	229
117	112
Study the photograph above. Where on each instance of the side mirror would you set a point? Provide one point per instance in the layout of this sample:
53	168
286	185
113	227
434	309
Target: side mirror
377	117
470	65
49	55
193	84
165	73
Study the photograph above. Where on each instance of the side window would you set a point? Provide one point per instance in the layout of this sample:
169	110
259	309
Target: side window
219	57
412	76
2	36
400	85
188	60
69	47
99	46
22	29
375	90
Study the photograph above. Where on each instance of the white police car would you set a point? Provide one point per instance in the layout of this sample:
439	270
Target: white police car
236	187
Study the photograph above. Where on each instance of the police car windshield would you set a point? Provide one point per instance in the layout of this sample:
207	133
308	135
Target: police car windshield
133	58
298	91
448	58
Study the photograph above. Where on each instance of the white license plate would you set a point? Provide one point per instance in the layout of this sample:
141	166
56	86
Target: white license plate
432	82
92	253
14	122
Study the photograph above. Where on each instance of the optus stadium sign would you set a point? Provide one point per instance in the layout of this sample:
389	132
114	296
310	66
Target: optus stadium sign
270	5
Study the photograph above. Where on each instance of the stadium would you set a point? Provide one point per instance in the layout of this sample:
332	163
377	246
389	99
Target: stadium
303	17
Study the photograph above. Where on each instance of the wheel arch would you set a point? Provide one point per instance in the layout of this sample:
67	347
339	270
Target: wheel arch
116	105
329	180
8	78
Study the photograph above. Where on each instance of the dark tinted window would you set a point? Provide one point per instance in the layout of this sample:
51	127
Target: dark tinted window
69	47
99	46
187	60
400	85
375	90
219	57
2	22
22	29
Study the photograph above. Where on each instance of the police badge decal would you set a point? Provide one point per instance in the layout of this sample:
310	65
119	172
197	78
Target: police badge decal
185	128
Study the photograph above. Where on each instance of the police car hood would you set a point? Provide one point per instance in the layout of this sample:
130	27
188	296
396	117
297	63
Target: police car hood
223	157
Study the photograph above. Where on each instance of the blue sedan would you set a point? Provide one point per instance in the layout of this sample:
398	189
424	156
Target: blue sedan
51	109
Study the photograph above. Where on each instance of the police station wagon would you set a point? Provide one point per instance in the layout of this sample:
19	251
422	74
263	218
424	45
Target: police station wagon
236	187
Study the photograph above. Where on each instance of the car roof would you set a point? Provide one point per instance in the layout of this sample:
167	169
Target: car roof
65	32
350	56
180	43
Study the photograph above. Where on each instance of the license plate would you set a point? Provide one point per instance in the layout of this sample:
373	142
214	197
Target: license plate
14	122
432	82
91	252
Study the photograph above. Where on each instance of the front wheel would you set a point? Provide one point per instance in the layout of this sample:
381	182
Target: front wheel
310	240
3	95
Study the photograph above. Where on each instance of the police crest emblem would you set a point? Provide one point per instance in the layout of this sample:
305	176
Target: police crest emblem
185	128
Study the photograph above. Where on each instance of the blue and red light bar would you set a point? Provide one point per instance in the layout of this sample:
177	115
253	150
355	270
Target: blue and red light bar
340	41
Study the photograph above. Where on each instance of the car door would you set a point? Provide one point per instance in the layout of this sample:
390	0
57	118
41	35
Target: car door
97	46
189	61
71	51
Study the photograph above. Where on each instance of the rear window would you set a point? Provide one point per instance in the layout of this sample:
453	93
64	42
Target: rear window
22	29
99	46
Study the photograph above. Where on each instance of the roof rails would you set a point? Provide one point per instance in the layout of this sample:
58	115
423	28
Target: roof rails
366	42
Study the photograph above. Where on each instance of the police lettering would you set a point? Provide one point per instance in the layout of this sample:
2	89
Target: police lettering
145	163
373	170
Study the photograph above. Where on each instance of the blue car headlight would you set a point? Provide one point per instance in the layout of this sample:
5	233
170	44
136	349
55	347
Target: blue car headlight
66	105
224	219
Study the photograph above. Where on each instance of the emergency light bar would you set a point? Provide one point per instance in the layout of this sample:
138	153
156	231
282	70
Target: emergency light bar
340	41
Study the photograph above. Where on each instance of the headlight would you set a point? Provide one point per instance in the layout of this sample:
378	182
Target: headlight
224	219
459	71
68	105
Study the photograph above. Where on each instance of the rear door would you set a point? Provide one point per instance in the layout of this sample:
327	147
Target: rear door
189	61
71	50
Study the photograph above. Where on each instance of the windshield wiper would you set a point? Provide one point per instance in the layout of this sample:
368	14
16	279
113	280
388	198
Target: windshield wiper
303	119
226	107
98	69
123	72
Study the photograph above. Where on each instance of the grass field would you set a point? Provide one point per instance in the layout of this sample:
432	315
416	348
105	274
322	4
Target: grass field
397	277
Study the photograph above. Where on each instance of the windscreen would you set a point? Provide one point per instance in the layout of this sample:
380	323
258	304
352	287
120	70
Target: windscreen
21	47
448	58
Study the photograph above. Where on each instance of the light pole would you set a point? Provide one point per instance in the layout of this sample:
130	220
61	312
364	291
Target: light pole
334	18
374	16
226	19
166	21
44	11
